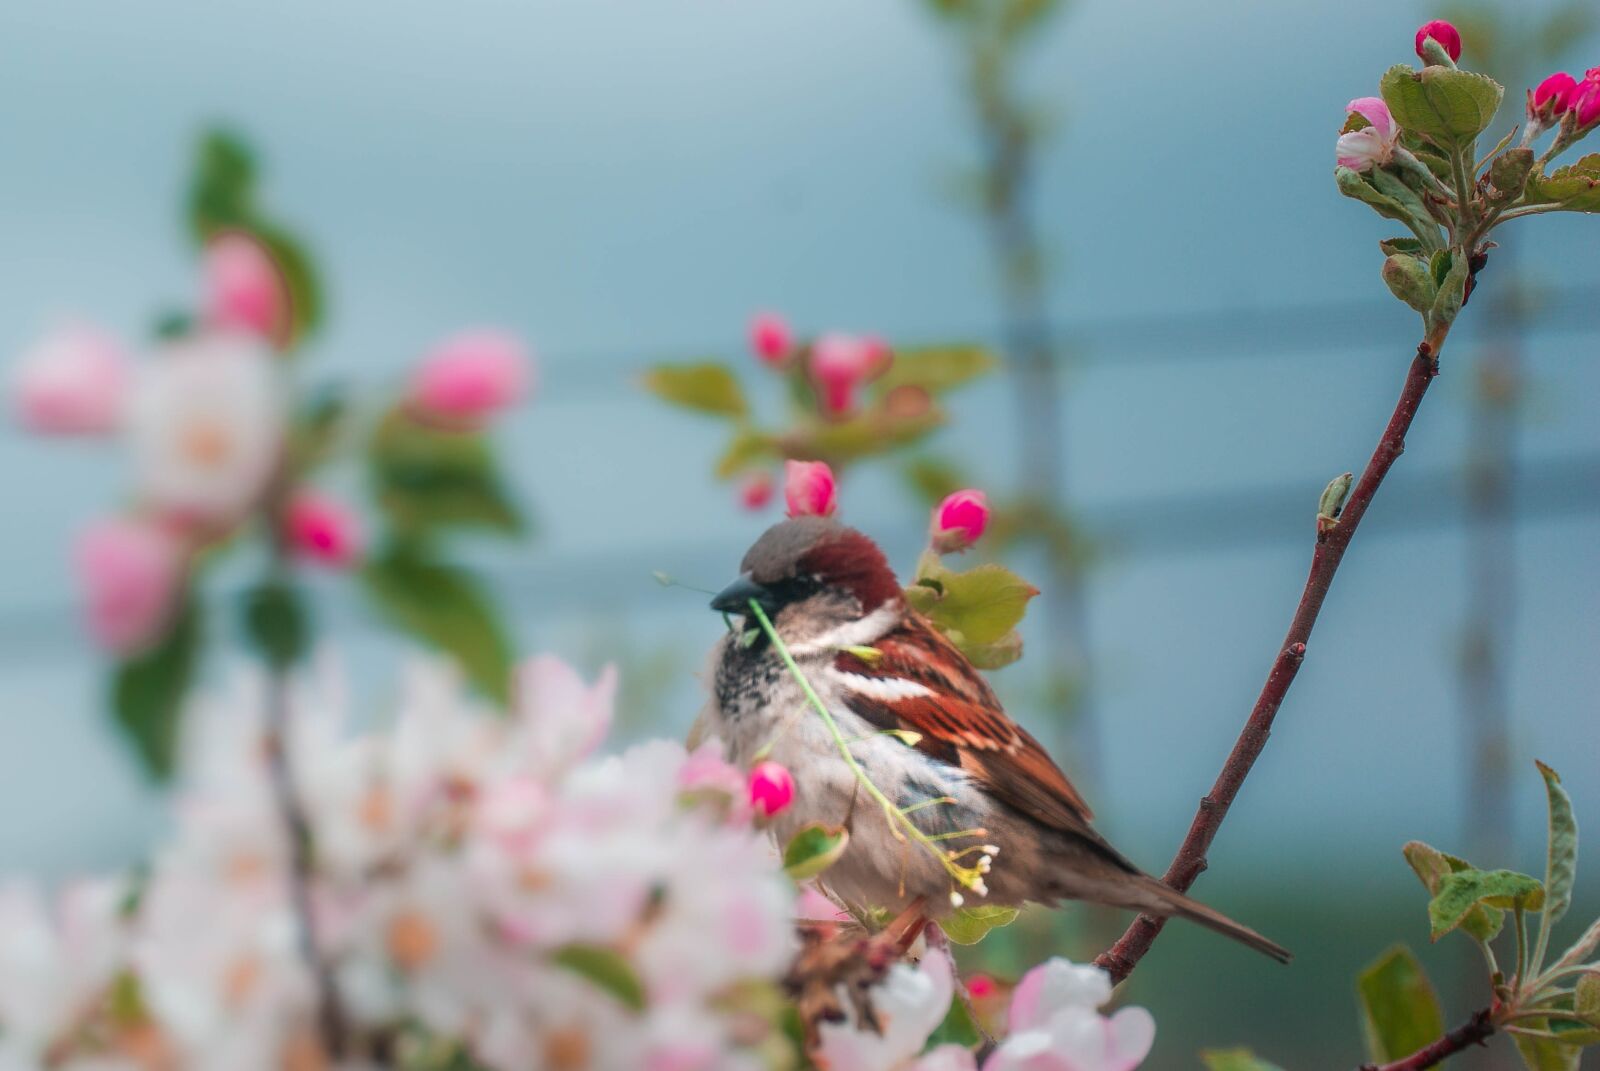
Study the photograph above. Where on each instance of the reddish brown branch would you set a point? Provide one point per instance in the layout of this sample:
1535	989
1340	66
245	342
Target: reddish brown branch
1332	541
1474	1031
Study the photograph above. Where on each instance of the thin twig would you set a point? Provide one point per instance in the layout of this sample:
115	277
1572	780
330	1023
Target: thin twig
1474	1031
297	825
1190	861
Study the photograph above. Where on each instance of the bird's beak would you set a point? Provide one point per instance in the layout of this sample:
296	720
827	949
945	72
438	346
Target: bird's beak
735	598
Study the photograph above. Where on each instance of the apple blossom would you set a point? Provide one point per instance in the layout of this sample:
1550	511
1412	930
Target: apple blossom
1055	1026
206	427
839	365
756	491
959	521
1373	144
131	571
1444	34
1586	100
244	288
323	529
809	489
771	788
911	1001
72	382
770	338
472	375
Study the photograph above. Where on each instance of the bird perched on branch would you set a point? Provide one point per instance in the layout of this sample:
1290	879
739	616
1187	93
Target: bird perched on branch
999	822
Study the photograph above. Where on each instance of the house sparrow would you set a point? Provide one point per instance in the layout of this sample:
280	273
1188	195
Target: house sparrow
830	593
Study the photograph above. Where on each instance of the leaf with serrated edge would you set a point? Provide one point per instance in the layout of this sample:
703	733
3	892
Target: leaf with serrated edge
969	925
1450	107
1575	187
1561	863
1461	891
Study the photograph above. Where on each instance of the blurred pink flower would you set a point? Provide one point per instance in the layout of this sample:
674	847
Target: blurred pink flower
562	718
244	288
770	338
72	382
1361	149
808	489
323	529
911	1002
840	364
131	572
771	788
959	521
472	375
1055	1026
756	491
1448	37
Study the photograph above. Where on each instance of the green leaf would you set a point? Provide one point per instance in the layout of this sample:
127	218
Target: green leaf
299	277
936	369
983	604
318	424
813	850
427	478
1352	184
1561	855
147	692
1508	173
1399	1007
1546	1054
1392	246
275	622
1462	890
1452	291
1235	1060
997	655
875	431
746	450
222	188
1575	187
1449	107
1432	866
969	925
444	607
1409	280
707	387
607	968
1586	998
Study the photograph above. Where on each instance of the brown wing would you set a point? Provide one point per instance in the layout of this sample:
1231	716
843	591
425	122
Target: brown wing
962	723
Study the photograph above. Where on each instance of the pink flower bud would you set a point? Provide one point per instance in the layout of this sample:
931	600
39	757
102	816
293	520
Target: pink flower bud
131	572
471	375
771	788
770	338
808	489
244	289
981	987
323	529
840	364
1554	96
72	382
1586	100
1448	37
959	521
756	491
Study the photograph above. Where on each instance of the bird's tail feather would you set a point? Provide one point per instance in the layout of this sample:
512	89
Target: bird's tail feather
1154	898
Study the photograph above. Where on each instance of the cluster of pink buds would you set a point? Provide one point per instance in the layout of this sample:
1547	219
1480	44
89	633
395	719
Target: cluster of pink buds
1561	94
837	364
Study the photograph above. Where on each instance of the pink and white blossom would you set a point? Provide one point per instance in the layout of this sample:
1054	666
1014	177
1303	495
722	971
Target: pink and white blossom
72	382
473	375
207	428
809	489
1372	145
244	289
131	573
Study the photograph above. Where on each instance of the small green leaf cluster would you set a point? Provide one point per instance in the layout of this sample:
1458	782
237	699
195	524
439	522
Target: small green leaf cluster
1549	1003
900	405
978	609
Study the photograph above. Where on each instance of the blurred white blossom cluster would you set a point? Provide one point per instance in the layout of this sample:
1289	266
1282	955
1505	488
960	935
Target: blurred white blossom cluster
488	894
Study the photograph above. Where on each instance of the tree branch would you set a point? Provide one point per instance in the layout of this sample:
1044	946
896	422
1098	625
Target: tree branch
1120	959
1473	1032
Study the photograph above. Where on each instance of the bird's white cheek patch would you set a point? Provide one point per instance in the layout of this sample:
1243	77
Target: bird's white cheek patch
887	689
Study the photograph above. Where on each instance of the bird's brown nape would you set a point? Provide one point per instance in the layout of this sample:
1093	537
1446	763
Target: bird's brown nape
850	560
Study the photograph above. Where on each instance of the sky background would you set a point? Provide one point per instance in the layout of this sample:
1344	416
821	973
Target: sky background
623	182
